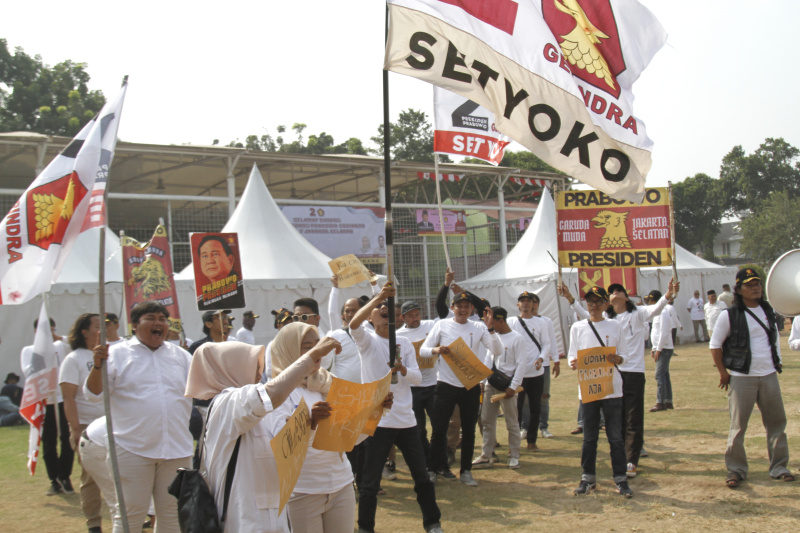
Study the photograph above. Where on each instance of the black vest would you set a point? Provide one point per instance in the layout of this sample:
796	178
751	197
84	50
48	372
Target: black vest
736	354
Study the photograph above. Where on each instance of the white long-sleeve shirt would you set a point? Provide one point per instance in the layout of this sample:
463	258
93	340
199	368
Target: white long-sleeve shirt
146	388
661	334
429	375
447	331
514	359
537	327
712	312
26	363
581	337
334	311
345	365
794	336
374	353
552	341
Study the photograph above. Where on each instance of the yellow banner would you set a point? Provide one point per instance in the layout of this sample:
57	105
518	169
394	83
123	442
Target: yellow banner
349	270
356	408
424	362
290	446
593	199
595	373
465	364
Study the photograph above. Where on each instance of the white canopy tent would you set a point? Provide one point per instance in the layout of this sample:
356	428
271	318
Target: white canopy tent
278	266
531	266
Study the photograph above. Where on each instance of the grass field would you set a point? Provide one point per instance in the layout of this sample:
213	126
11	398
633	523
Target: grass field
680	487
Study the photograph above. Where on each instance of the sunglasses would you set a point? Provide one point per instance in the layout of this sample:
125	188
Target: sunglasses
304	318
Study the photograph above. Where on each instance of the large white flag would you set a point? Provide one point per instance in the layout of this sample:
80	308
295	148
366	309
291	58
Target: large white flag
44	223
556	73
462	127
41	379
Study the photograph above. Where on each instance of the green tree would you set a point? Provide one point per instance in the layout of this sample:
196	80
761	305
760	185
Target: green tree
748	180
411	138
36	97
698	211
773	229
315	145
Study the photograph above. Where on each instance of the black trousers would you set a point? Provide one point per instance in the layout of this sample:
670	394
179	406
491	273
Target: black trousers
57	466
533	389
469	402
356	458
423	401
633	414
376	451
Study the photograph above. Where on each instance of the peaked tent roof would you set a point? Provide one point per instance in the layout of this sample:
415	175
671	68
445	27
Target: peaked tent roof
270	247
81	266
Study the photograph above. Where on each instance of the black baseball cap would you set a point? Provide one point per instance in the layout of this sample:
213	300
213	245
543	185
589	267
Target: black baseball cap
250	314
745	275
111	317
655	295
500	312
12	377
529	295
460	297
616	287
409	306
598	291
281	316
208	316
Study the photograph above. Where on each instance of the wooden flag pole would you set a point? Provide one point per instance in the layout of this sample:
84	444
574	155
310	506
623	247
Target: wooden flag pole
439	205
387	191
672	236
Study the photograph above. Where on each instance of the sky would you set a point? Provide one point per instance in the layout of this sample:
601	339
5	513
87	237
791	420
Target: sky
201	71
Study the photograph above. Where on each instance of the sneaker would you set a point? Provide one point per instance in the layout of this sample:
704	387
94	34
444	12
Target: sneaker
523	434
388	475
624	490
55	488
467	479
66	485
482	462
546	434
447	474
644	453
585	487
390	466
631	470
432	476
577	431
434	529
513	463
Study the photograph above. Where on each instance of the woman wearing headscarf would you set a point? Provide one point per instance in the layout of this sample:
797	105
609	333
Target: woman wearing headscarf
230	373
323	499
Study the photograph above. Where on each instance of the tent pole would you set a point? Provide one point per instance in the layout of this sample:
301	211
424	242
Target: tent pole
564	338
387	184
427	273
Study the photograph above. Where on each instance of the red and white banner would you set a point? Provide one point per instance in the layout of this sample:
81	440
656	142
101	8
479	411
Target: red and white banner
41	380
441	177
44	223
605	277
528	181
462	127
557	74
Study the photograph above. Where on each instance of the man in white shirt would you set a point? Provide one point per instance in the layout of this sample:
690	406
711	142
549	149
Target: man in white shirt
726	296
712	309
147	381
794	336
661	351
745	341
112	329
245	333
595	332
512	363
59	467
695	308
450	391
398	426
537	345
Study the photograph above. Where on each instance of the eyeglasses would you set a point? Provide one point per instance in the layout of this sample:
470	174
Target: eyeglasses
595	302
304	317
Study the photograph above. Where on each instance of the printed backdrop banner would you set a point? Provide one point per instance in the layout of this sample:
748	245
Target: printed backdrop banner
455	222
604	277
557	74
217	271
337	231
597	231
462	127
147	271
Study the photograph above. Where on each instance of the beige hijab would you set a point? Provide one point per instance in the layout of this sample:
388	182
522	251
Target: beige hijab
285	350
218	365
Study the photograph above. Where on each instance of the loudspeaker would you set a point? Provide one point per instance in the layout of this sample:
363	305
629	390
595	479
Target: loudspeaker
783	284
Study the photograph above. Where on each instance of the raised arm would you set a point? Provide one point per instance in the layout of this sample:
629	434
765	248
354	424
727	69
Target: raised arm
441	297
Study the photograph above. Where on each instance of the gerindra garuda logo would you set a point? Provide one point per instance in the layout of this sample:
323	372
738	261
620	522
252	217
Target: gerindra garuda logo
587	34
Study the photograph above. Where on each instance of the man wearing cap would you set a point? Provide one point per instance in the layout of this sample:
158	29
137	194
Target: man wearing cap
632	320
112	329
533	330
695	308
512	362
745	341
595	332
450	391
245	333
214	326
712	310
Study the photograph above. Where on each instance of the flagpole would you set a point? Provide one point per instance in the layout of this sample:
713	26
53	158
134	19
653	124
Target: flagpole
387	191
439	204
112	445
672	235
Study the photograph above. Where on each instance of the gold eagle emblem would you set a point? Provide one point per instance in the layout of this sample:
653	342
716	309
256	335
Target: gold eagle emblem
49	208
580	45
150	277
616	235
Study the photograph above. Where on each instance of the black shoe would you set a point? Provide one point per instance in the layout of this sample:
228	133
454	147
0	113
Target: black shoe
95	529
55	488
390	466
585	487
66	485
624	490
447	474
451	456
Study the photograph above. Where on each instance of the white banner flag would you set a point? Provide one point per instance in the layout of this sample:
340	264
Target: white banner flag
44	223
462	127
557	74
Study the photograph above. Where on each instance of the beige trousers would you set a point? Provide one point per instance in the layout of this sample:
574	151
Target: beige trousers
489	412
91	502
324	513
93	461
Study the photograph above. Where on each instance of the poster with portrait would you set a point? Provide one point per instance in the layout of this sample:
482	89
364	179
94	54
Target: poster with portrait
454	222
217	271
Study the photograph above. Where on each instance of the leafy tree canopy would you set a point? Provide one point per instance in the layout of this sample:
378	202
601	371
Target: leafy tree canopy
773	229
698	211
411	138
314	145
43	99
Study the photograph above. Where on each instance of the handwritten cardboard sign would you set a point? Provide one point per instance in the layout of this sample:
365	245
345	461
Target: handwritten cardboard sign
424	362
595	373
356	408
465	365
290	446
349	270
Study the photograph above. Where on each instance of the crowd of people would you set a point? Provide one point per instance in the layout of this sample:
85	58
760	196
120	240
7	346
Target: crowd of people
233	397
